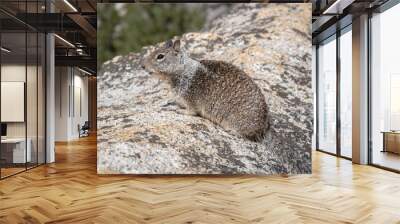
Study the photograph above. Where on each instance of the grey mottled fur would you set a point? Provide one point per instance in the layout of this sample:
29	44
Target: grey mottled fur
215	90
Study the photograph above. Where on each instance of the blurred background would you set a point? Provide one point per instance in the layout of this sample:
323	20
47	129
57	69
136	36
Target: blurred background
124	28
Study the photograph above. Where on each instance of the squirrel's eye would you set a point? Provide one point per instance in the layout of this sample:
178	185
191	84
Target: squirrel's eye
160	56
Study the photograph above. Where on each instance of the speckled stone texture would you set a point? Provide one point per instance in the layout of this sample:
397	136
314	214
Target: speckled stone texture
142	131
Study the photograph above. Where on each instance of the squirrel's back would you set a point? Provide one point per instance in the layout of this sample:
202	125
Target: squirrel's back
226	95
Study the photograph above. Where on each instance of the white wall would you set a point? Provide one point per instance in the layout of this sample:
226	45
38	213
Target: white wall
62	81
80	89
12	73
33	126
70	83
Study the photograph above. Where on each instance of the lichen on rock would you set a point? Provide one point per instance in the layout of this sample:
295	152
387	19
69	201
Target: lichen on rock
141	130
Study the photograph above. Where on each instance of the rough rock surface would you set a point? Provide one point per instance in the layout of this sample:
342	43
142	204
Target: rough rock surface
141	132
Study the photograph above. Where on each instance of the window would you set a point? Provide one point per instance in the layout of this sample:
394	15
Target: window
327	96
385	89
346	93
22	77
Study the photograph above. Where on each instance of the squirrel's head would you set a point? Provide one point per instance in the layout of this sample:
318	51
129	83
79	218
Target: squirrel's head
166	61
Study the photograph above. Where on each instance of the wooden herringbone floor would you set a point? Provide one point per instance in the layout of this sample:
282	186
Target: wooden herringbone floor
70	191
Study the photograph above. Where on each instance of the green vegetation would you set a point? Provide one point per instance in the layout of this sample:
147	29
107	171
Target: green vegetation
130	27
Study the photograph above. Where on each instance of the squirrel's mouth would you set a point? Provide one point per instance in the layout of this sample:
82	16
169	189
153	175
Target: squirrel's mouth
151	72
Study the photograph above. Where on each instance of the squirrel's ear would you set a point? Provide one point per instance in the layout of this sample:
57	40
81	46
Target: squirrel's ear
177	45
169	44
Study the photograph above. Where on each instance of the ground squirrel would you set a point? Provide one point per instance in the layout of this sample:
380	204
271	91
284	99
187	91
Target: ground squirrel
215	90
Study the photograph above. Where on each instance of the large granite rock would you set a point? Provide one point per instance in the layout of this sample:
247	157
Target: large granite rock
141	132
